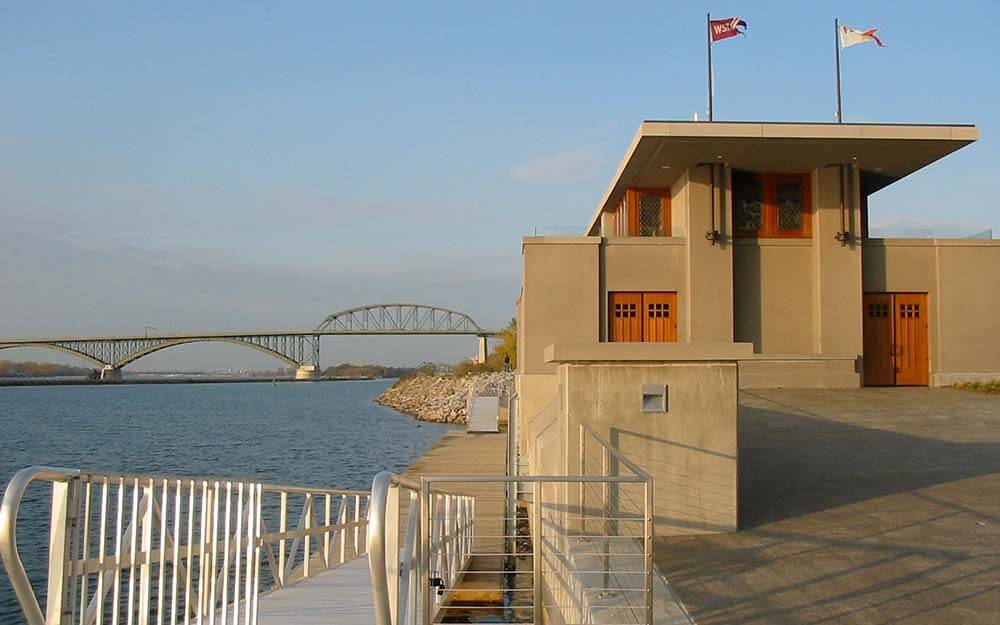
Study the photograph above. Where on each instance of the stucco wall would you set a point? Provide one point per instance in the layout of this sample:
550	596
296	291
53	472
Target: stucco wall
837	323
707	313
962	292
560	296
772	284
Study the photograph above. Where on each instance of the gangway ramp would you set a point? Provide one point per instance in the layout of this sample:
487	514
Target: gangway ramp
340	596
484	414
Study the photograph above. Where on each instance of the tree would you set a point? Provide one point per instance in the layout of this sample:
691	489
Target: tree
508	343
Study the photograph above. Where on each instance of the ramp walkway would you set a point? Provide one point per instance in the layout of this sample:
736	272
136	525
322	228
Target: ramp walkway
484	414
340	596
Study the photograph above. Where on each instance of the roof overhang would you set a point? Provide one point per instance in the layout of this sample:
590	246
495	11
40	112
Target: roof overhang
662	151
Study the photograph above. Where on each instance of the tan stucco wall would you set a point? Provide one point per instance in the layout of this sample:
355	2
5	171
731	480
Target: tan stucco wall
772	283
963	294
560	296
836	267
691	450
708	309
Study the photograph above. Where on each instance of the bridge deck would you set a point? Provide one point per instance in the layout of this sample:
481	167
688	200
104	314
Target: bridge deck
340	596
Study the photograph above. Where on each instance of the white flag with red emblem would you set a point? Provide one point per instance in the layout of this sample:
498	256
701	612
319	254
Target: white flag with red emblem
852	36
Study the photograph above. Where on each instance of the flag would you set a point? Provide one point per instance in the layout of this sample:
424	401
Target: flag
729	27
852	36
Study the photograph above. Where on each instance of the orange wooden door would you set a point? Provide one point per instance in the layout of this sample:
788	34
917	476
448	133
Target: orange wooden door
877	332
625	316
910	339
659	317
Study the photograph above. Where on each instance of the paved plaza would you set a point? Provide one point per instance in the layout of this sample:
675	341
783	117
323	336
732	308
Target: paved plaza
874	506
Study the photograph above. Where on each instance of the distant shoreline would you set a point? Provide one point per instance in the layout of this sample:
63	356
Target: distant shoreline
177	380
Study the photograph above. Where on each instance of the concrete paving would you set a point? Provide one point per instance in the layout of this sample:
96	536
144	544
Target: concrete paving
870	506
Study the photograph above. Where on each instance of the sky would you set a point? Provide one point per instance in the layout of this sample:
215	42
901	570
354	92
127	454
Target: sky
248	165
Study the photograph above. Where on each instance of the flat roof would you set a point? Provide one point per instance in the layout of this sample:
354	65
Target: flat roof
661	151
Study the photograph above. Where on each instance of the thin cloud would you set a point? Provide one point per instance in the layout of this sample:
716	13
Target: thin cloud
567	165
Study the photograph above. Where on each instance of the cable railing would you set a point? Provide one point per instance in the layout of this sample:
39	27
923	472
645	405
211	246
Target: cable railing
570	548
142	549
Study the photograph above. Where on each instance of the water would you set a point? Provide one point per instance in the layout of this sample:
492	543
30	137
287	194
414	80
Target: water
319	434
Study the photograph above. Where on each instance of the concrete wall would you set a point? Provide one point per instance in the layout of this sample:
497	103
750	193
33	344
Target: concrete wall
963	296
691	450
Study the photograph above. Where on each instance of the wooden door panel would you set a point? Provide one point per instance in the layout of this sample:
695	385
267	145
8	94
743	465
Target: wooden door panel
624	317
910	339
659	317
877	331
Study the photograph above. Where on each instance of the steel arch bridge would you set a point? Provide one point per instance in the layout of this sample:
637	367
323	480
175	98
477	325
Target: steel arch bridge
299	348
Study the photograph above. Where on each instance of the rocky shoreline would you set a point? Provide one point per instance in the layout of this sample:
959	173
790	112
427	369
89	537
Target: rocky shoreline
441	398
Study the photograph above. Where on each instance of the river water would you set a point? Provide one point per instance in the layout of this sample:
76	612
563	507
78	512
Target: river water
318	434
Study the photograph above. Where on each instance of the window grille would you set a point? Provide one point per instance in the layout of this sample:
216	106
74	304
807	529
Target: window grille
650	215
748	202
788	197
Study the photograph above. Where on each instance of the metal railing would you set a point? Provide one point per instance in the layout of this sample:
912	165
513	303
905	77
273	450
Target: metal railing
571	548
436	547
129	548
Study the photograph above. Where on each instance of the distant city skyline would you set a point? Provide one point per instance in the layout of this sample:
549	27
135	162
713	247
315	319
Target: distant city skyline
231	166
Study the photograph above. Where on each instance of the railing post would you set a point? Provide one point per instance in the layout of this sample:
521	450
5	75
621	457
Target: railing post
392	550
583	485
425	551
59	536
536	555
606	495
648	549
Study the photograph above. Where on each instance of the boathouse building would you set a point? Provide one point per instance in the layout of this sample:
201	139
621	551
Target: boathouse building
729	255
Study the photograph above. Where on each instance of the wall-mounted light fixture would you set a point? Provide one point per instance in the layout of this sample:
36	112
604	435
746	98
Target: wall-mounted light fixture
654	398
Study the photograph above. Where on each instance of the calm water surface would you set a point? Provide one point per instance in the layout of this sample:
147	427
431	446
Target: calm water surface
322	434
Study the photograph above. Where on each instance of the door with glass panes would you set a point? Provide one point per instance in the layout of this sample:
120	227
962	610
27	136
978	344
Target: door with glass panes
649	317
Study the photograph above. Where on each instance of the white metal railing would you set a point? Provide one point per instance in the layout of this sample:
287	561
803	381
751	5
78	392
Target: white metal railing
575	549
437	542
129	548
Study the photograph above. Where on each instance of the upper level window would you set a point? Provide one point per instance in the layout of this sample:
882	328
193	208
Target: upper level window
770	205
645	213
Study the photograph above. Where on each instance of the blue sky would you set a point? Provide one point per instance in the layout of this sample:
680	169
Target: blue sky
241	165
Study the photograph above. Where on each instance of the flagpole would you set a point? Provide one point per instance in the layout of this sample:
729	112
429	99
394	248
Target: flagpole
708	35
836	45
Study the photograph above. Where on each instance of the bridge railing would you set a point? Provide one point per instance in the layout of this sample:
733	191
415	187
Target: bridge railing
130	548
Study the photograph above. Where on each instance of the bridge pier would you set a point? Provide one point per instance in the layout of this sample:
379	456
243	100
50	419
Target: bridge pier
111	373
483	350
307	372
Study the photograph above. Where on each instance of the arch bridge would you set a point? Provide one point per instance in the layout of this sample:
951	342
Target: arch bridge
298	348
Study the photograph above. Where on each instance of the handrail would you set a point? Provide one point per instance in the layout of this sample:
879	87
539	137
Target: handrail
438	521
8	535
171	544
377	560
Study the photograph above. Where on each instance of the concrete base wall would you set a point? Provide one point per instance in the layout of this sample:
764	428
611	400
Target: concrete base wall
691	450
537	398
799	372
947	379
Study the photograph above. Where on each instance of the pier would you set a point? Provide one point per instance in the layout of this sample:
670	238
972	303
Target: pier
459	537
